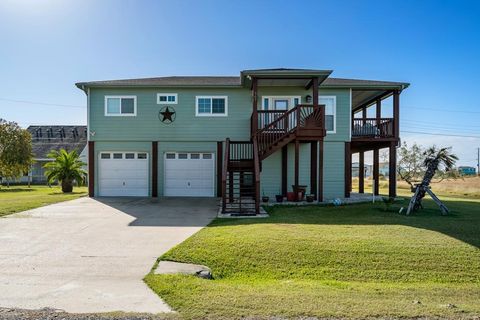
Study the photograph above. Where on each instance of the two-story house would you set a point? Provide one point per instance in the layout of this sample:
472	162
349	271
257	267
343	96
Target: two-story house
265	132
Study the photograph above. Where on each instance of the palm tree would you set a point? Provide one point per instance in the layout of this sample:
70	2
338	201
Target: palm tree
65	168
435	159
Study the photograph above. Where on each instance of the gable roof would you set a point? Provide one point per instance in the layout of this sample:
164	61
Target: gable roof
230	81
47	138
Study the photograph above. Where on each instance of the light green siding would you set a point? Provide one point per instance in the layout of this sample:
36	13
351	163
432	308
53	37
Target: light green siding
333	170
271	175
187	127
190	133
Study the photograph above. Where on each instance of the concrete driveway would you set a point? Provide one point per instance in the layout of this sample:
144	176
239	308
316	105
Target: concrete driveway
90	255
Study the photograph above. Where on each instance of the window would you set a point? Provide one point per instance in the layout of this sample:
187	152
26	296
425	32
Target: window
105	156
170	156
280	102
207	156
118	156
120	105
167	98
142	156
183	156
195	156
129	155
212	106
330	103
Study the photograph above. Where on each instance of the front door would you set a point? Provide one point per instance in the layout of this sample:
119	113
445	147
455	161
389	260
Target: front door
281	104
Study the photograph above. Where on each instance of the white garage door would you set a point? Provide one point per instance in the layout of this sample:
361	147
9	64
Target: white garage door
123	174
189	174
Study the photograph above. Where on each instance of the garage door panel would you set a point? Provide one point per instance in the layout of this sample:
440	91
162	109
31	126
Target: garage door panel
189	177
123	177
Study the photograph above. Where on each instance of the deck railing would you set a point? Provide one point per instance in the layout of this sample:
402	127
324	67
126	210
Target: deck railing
373	128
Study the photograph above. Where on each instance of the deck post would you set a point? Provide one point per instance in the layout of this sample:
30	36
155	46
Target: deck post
154	169
361	172
320	171
254	124
376	170
91	168
392	170
348	169
396	113
313	168
315	92
297	168
378	113
284	170
219	167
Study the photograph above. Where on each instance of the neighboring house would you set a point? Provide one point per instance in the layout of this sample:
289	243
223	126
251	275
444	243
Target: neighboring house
467	171
383	169
235	137
367	170
47	138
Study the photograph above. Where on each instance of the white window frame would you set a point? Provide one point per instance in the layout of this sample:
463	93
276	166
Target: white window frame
167	95
334	111
134	114
225	114
270	100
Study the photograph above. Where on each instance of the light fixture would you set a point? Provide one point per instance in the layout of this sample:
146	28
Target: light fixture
308	98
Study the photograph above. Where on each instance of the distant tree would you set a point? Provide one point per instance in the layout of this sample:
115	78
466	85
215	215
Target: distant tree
383	156
15	150
410	165
66	167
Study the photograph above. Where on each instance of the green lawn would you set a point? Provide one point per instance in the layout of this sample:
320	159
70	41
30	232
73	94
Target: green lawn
352	261
20	198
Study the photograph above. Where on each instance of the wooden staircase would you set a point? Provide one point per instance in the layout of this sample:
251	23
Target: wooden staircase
271	130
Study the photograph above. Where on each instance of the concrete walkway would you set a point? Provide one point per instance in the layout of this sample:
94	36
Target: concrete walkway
90	255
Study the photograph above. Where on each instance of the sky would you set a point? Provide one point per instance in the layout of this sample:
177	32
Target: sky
48	45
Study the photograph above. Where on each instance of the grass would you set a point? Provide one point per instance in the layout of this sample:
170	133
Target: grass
352	261
467	187
20	198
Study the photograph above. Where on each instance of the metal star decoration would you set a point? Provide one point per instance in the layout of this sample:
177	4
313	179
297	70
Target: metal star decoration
167	115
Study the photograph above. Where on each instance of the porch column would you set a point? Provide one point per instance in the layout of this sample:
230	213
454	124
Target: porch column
320	171
392	170
378	112
348	170
284	170
396	113
376	170
154	169
219	167
254	124
315	92
361	172
297	167
91	168
313	168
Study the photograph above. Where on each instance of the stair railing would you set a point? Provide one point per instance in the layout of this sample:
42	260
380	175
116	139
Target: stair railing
299	117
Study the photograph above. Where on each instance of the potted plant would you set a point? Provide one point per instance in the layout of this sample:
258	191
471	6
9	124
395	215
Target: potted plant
279	197
310	197
265	198
66	167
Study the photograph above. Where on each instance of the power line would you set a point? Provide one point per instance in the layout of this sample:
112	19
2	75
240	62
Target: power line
441	110
42	103
442	134
449	124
